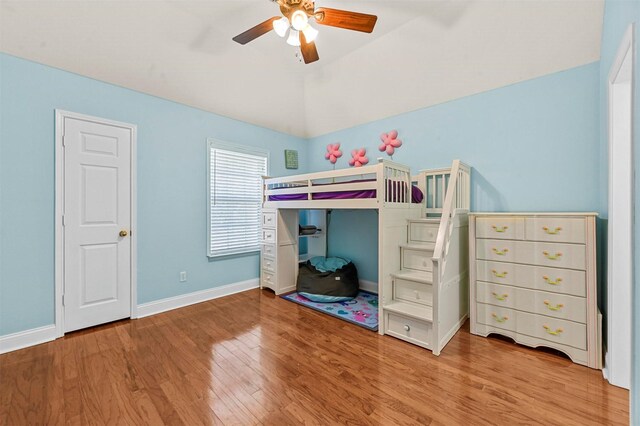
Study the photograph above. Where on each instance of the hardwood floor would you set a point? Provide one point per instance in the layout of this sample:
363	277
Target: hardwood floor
253	358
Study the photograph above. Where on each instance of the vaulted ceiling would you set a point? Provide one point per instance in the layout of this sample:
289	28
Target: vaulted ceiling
421	53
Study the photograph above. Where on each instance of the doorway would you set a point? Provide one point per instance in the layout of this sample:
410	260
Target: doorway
620	224
95	221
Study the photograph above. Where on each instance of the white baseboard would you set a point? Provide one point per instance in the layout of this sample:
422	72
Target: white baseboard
170	303
452	332
23	339
369	286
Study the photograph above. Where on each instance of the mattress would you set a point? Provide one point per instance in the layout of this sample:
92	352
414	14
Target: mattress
394	188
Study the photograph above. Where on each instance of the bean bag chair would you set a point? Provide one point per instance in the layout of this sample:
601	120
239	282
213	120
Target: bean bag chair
328	280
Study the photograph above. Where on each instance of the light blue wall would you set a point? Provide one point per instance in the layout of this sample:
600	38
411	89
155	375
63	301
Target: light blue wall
172	200
533	146
617	17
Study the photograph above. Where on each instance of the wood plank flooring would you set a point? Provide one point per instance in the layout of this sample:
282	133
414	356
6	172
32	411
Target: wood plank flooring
253	358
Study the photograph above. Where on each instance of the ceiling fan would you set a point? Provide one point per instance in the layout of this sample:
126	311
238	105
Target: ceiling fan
296	18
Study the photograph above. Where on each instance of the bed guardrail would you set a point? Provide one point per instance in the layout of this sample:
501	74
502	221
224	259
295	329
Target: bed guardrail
390	180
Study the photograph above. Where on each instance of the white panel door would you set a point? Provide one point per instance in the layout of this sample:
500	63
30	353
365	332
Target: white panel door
97	221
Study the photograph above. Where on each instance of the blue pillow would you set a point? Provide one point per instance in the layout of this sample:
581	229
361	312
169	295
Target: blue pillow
328	264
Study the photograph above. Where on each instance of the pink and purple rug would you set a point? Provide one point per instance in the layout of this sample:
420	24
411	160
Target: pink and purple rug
362	311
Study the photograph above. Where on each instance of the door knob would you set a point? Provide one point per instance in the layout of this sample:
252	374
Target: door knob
123	233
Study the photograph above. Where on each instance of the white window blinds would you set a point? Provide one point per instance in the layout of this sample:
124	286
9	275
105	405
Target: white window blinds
235	199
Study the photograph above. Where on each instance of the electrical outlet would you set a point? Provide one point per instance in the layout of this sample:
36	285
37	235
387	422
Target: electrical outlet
183	276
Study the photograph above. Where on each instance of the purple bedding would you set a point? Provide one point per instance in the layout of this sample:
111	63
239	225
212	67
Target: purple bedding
416	194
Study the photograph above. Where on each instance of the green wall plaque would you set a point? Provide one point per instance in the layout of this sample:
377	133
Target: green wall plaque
291	158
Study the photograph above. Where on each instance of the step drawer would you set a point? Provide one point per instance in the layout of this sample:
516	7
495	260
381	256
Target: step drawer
268	264
500	227
540	302
423	232
555	280
411	291
416	259
556	229
409	329
269	219
496	316
553	330
544	254
269	235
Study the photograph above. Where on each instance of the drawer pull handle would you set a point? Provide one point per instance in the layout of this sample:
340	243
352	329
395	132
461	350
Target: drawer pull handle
550	281
499	274
553	308
500	229
552	231
555	332
551	256
500	297
499	319
407	327
500	252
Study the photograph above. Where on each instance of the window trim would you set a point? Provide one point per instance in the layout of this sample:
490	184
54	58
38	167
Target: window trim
213	143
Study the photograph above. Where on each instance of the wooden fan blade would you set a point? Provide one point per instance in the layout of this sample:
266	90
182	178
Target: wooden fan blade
257	31
345	19
309	51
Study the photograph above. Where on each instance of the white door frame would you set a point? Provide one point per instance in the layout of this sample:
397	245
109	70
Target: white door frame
619	318
59	211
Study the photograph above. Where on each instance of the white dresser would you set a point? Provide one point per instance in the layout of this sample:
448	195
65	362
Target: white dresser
279	253
533	279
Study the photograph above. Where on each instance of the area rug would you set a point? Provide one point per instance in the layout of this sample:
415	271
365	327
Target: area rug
362	311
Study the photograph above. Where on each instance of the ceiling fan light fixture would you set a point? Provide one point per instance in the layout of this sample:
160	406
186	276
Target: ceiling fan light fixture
294	38
281	26
310	33
299	20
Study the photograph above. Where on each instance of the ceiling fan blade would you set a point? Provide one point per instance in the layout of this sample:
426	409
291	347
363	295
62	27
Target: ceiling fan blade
345	19
309	51
257	31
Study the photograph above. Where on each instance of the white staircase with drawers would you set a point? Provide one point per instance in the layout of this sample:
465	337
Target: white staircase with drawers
428	300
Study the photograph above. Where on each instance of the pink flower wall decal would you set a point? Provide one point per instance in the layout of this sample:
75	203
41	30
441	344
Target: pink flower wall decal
358	157
333	152
390	142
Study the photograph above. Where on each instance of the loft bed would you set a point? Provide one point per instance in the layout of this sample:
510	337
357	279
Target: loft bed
384	185
423	283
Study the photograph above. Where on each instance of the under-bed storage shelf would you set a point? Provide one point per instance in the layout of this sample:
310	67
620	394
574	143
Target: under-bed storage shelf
533	278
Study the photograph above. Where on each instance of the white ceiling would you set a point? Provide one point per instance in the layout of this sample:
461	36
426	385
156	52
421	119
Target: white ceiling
421	53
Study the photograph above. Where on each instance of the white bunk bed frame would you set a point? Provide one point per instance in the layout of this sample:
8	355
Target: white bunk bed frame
445	208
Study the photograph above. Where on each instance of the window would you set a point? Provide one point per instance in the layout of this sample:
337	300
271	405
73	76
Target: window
235	198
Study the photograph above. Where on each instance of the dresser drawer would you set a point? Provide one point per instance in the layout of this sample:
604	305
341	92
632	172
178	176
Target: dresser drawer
496	316
556	280
556	229
269	250
269	235
416	259
268	264
544	254
553	330
411	291
551	304
500	227
268	280
423	232
409	329
269	219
